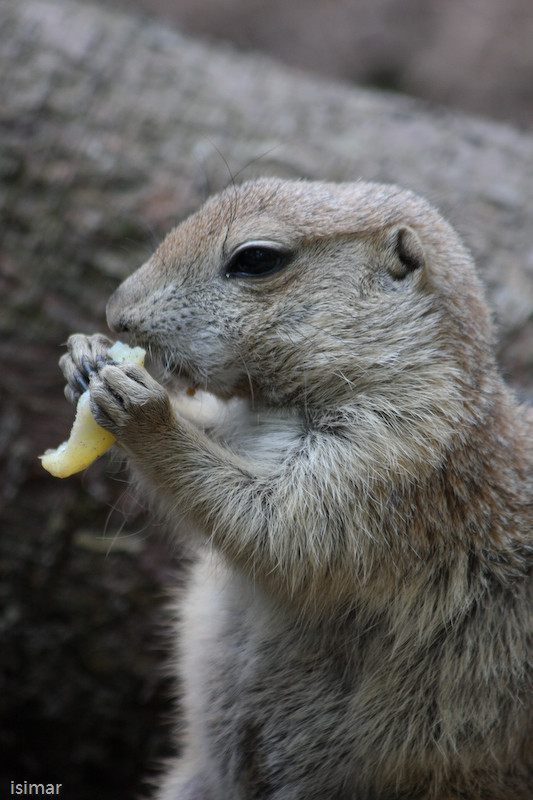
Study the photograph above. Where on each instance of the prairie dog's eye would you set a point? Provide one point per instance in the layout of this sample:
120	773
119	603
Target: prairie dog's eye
257	259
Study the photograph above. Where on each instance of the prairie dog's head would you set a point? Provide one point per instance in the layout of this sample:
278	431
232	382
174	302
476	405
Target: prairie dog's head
303	293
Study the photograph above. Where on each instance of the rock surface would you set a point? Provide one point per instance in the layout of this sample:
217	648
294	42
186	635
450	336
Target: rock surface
474	55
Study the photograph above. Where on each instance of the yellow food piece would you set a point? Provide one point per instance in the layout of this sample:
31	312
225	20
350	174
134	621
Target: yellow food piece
87	439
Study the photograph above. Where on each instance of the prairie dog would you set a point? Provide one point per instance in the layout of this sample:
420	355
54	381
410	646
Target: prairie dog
359	481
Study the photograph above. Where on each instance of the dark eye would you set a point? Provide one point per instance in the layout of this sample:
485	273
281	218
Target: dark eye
255	260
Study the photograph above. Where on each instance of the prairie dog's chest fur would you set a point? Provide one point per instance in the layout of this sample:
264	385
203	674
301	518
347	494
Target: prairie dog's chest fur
258	652
359	625
264	435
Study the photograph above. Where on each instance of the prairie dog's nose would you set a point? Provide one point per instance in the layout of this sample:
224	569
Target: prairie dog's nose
123	305
114	311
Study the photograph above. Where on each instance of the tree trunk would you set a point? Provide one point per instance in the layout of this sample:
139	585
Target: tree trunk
112	129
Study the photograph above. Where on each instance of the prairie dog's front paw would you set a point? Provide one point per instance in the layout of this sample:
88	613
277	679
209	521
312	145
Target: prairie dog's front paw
86	354
87	439
129	403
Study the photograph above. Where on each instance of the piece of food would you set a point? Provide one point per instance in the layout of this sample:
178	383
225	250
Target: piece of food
87	439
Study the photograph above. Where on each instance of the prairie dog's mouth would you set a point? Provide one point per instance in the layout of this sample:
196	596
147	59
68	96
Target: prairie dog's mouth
173	377
178	375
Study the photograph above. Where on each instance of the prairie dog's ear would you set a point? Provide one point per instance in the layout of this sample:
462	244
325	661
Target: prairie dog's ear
407	253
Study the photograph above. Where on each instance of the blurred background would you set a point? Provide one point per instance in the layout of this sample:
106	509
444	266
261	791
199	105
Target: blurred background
475	55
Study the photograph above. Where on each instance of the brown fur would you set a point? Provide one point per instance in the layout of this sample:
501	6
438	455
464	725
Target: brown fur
359	624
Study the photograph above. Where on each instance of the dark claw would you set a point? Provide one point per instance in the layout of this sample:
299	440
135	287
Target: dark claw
104	362
88	367
82	382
